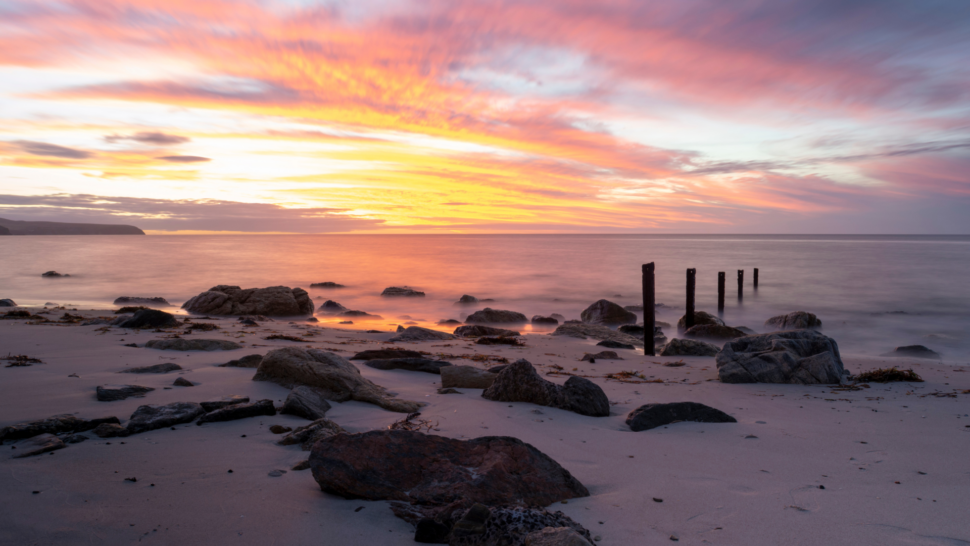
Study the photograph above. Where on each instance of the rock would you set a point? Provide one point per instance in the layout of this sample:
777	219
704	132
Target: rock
448	322
477	330
327	284
239	411
448	390
401	291
331	307
308	435
417	333
225	401
57	424
650	416
302	465
152	417
603	333
799	320
338	379
148	318
714	331
558	317
180	344
700	318
111	393
466	299
545	321
157	368
915	351
111	430
312	319
442	476
74	438
608	313
42	443
306	402
495	316
498	369
410	364
134	300
557	536
375	354
183	382
466	377
747	331
520	382
7	302
360	314
276	473
688	347
248	361
602	355
796	356
400	328
505	525
635	330
429	531
232	300
615	344
51	274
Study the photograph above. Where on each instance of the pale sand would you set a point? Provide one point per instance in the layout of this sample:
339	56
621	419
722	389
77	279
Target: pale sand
717	486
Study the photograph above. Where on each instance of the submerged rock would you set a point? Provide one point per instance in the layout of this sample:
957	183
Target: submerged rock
410	364
466	299
608	313
134	300
183	382
111	393
688	347
310	434
401	291
233	300
42	443
225	401
466	377
650	416
799	320
374	354
239	411
53	274
148	318
306	402
914	351
797	356
181	344
331	307
714	331
612	344
157	368
417	333
701	318
495	316
477	330
544	321
248	361
519	382
7	302
153	417
327	284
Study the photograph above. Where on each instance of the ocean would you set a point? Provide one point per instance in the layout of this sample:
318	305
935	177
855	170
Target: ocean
872	293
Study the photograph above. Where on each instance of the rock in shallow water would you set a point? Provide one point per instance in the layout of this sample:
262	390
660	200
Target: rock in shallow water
799	320
153	417
6	302
608	313
714	331
417	333
148	318
233	300
401	291
306	402
477	330
111	393
213	405
239	411
700	319
520	382
688	347
183	382
603	333
914	351
180	344
135	300
804	357
651	416
496	316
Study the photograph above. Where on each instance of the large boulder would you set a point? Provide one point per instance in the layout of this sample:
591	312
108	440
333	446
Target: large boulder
804	357
477	330
519	382
411	364
306	402
152	417
417	333
231	300
182	344
148	318
336	377
466	377
136	300
404	291
701	318
714	331
608	313
650	416
443	476
495	316
799	320
688	347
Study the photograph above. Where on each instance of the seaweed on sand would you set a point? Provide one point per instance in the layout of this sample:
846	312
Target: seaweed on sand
20	360
285	338
886	375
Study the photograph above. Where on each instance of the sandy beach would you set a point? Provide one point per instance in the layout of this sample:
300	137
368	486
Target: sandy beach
803	464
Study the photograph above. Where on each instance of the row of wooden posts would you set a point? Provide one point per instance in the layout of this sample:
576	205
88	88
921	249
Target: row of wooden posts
649	300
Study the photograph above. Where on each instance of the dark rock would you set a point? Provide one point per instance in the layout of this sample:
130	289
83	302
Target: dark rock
796	356
157	368
608	313
248	361
609	343
545	321
651	416
714	331
111	393
148	418
558	317
915	351
360	314
499	340
498	369
558	536
429	531
466	377
232	300
331	307
51	274
466	299
130	300
338	379
635	330
401	291
239	411
7	302
327	284
517	525
700	319
180	344
375	354
310	434
312	319
799	320
302	465
36	445
520	382
400	328
148	318
226	401
111	430
306	402
448	390
495	316
410	364
280	429
183	382
448	322
603	333
417	333
602	355
58	424
74	438
477	330
688	347
442	475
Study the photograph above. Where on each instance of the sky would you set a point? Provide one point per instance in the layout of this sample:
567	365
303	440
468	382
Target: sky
488	116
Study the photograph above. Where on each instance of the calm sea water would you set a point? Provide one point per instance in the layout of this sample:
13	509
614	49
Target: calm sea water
872	292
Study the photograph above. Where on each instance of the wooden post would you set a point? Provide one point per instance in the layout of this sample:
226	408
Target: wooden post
756	278
740	284
691	282
649	309
720	292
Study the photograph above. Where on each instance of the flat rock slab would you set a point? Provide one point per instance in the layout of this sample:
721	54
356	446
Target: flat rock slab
520	382
478	330
650	416
404	291
181	344
308	435
42	443
374	354
157	368
148	418
804	357
613	344
57	424
410	364
111	393
600	332
111	430
274	301
417	333
688	347
213	405
239	411
306	402
466	377
149	318
248	361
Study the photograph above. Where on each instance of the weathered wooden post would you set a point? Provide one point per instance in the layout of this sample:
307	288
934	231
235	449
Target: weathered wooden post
649	309
756	278
691	283
720	292
740	284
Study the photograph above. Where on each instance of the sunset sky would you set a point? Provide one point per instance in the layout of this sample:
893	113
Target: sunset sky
474	116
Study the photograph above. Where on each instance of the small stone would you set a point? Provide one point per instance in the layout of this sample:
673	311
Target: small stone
276	473
183	382
279	429
655	499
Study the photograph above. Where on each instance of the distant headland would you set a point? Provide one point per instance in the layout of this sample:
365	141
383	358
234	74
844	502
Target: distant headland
18	227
